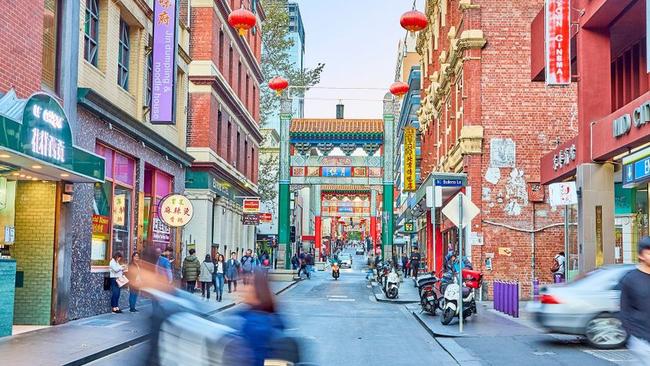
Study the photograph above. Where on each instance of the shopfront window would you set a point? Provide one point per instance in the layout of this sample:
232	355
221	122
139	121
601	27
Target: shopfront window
113	207
157	185
50	43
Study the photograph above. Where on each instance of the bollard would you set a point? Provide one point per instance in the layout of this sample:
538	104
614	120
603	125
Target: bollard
505	297
511	309
497	295
509	297
536	290
516	312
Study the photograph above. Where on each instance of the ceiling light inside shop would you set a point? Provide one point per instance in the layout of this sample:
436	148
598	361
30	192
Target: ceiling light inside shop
65	174
15	174
29	177
5	156
36	166
34	178
22	175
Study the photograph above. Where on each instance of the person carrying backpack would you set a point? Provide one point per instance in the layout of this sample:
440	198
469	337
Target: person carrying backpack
247	266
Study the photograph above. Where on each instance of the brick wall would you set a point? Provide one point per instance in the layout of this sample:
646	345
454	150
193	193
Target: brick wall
21	44
34	251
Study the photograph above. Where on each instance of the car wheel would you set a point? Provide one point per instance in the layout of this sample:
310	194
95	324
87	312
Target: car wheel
605	332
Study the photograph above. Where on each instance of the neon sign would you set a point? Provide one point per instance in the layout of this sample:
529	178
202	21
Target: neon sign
47	145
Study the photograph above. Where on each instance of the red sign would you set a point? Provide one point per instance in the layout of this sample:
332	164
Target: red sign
100	224
251	205
558	46
266	217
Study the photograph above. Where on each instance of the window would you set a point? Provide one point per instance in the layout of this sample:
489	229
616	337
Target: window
147	95
50	43
113	207
228	143
245	171
629	79
236	162
239	94
157	185
123	56
246	93
231	69
91	31
219	122
221	44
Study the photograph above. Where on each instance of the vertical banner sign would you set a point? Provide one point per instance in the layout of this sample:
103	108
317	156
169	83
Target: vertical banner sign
409	159
164	62
558	46
600	260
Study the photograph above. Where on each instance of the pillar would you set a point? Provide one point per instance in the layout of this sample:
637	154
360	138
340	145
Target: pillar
373	219
429	231
199	229
318	232
388	181
284	246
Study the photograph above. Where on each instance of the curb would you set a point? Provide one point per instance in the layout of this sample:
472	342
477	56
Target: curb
447	343
380	298
143	338
434	334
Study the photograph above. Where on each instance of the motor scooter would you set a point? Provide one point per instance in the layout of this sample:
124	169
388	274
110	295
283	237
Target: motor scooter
430	296
335	271
391	289
471	281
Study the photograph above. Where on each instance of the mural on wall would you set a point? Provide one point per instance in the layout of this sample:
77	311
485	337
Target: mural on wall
493	175
516	193
502	153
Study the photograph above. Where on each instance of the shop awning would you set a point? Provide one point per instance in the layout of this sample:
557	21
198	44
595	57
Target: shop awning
36	142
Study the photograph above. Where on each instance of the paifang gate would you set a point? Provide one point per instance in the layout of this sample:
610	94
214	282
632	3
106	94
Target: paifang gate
347	166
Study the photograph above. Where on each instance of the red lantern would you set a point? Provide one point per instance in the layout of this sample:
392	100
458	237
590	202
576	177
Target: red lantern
413	21
278	84
242	20
399	88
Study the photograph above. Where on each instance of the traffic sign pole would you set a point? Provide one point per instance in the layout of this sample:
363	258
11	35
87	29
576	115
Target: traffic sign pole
460	261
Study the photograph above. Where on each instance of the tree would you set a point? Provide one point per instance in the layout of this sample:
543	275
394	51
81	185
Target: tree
267	181
275	58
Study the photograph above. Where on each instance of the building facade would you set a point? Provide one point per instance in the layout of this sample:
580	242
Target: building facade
608	158
481	115
223	126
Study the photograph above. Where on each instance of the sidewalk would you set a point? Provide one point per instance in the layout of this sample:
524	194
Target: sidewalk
486	323
84	340
408	294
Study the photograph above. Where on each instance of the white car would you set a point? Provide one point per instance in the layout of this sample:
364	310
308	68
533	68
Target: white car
587	306
345	260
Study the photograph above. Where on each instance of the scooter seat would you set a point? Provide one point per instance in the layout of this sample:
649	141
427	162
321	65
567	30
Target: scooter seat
466	291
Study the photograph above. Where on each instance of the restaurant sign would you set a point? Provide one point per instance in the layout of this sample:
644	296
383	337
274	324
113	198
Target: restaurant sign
175	210
409	159
163	62
564	157
45	133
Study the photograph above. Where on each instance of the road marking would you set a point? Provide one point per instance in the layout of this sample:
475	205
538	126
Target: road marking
340	296
330	299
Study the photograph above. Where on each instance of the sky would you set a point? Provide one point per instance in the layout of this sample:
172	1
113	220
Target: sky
357	41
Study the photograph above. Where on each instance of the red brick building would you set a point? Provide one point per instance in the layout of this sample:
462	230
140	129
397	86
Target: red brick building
223	125
483	116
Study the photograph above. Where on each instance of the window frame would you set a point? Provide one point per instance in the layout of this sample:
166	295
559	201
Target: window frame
124	47
57	49
88	39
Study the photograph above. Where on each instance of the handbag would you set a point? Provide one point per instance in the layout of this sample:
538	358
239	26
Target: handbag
121	281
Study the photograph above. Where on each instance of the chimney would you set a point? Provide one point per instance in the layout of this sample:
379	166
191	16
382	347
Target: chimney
339	111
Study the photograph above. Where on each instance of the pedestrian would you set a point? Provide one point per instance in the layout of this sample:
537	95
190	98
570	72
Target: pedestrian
309	258
191	269
219	270
295	262
164	265
232	271
117	279
247	266
405	261
133	275
303	267
557	269
371	267
415	263
205	276
635	312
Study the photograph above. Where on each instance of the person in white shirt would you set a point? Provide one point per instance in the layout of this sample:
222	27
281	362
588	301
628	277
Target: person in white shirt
558	273
117	270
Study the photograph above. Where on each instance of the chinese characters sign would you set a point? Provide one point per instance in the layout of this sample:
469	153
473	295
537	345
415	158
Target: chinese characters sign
164	62
564	157
119	209
409	159
337	171
45	132
558	46
175	210
100	225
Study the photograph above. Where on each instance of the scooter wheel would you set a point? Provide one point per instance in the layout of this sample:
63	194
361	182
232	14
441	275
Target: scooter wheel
392	293
447	315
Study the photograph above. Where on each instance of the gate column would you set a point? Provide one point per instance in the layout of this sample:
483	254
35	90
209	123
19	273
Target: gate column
284	246
388	181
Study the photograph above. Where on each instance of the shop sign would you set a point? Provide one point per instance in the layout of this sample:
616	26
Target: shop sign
564	157
337	171
45	133
639	118
10	235
119	209
557	17
250	219
449	182
175	210
101	224
409	159
220	188
562	194
160	231
164	62
251	205
505	251
636	172
266	217
409	227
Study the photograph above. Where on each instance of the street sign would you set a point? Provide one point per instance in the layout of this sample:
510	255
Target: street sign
449	182
251	205
452	210
251	219
266	217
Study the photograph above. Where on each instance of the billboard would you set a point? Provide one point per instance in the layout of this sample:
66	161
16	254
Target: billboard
163	78
409	159
557	23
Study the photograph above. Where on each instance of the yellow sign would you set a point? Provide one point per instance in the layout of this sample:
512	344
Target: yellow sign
505	251
409	159
119	209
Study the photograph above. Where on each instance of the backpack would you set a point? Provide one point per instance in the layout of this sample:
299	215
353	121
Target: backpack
555	267
247	264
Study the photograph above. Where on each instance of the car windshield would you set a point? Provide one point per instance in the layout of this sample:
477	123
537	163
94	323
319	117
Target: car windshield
606	277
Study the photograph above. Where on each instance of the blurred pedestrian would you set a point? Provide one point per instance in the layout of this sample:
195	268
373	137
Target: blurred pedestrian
415	262
191	269
295	262
116	274
219	270
205	276
309	259
134	281
405	261
559	261
635	312
247	266
232	271
164	265
261	323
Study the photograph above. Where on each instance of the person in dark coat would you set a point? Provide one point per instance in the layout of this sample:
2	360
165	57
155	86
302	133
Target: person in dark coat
232	271
415	262
405	261
191	270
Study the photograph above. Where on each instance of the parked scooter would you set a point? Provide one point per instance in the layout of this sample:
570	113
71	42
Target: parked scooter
335	271
430	296
391	289
471	281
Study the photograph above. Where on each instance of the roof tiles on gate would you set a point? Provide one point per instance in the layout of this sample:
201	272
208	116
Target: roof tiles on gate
333	125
